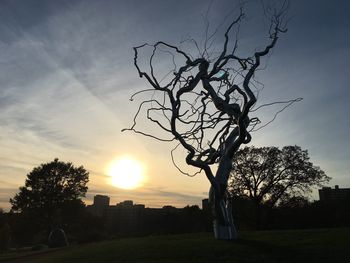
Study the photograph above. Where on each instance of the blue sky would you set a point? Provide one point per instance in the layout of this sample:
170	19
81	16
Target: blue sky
66	74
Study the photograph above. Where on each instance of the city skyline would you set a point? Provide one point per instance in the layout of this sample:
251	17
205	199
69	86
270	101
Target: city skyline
67	73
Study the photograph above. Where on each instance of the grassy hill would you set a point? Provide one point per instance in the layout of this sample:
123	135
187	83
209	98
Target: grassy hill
317	245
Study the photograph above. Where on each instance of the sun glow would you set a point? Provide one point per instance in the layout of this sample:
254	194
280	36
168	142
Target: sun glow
126	173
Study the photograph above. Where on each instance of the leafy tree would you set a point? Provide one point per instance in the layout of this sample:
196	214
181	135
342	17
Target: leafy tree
269	175
50	188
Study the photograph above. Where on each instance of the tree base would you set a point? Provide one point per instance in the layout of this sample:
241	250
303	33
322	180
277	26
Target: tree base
224	232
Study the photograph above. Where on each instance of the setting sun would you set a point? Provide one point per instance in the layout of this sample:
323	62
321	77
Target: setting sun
126	173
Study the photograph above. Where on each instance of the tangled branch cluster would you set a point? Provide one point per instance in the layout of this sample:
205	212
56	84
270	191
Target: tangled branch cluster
204	104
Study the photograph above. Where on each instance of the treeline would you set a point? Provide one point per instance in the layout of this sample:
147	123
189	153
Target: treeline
80	226
151	221
27	229
296	214
19	229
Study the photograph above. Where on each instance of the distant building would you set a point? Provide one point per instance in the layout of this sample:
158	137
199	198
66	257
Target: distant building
101	200
126	204
169	208
205	204
101	207
101	203
329	195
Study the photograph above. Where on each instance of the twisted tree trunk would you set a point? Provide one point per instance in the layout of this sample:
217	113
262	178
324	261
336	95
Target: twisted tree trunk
223	224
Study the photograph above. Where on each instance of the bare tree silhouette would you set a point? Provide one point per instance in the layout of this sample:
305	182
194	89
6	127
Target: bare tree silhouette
204	104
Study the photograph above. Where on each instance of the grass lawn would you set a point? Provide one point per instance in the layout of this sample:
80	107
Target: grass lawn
316	245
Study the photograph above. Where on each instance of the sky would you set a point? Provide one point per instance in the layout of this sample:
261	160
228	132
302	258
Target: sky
67	73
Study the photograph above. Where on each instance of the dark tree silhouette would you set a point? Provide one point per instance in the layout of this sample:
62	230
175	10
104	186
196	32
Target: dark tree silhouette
293	201
5	231
203	103
49	188
269	175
